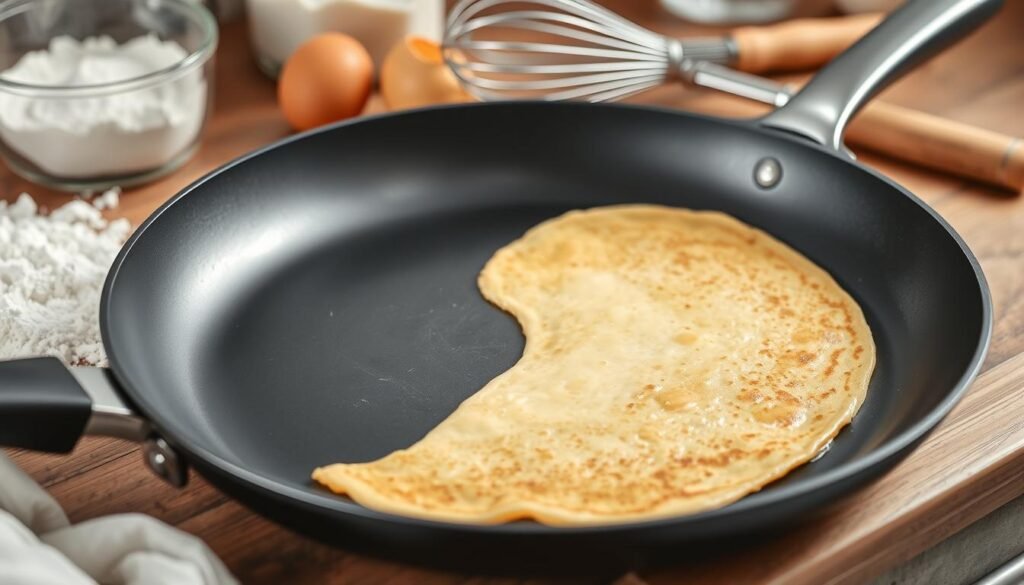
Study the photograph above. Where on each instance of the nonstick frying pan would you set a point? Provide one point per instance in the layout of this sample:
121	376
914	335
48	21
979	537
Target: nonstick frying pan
316	301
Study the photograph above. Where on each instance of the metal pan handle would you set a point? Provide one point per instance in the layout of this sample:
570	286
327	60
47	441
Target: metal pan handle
911	34
46	406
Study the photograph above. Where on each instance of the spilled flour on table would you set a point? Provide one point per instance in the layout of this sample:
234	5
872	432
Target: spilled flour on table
52	268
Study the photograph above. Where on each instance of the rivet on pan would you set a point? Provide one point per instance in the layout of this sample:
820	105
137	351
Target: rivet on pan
164	461
767	172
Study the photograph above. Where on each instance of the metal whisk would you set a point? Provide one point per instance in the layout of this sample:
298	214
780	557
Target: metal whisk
575	49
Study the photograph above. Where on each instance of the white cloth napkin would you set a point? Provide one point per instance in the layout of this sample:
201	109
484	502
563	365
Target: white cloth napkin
38	546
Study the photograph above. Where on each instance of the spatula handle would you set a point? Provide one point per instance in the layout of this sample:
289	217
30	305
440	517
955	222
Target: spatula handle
798	45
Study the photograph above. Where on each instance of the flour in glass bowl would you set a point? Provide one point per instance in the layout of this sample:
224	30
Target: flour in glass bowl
102	135
52	269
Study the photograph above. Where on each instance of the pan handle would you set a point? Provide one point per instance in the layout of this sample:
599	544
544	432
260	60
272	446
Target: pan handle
911	34
46	406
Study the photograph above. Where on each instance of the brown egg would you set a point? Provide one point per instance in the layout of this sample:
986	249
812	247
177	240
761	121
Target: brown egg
328	78
414	75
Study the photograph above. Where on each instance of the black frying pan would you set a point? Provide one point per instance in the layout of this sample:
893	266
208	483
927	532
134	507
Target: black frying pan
316	301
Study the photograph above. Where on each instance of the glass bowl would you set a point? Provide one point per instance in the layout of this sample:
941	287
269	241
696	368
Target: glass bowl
116	124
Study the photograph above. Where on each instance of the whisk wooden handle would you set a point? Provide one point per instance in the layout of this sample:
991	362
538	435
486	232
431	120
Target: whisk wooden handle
941	144
800	44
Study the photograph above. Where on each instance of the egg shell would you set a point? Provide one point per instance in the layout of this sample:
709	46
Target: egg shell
414	75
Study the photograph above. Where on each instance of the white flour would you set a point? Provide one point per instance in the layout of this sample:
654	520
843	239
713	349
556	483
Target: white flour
102	135
52	269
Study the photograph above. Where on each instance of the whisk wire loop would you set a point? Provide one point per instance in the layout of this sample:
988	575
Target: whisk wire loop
553	50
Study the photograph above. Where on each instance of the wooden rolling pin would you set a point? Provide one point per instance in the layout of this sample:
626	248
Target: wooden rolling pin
797	45
937	143
902	133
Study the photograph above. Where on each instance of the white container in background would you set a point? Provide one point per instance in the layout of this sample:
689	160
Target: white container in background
745	11
278	27
856	6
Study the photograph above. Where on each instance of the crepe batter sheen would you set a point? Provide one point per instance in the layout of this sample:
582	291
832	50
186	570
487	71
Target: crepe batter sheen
675	362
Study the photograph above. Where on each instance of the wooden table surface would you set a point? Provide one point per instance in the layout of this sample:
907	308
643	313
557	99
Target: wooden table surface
973	464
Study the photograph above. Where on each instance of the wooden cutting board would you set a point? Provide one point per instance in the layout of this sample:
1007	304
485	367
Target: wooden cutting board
971	465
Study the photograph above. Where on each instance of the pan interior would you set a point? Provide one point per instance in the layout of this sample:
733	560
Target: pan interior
318	302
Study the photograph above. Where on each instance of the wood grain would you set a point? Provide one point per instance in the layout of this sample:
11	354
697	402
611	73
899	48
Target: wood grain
971	465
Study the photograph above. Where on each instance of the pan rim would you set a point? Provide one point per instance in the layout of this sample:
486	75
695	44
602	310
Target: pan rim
334	505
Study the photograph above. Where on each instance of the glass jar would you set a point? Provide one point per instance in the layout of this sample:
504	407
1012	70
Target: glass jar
113	125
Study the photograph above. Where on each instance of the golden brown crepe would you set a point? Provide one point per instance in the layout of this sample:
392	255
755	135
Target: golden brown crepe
675	361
